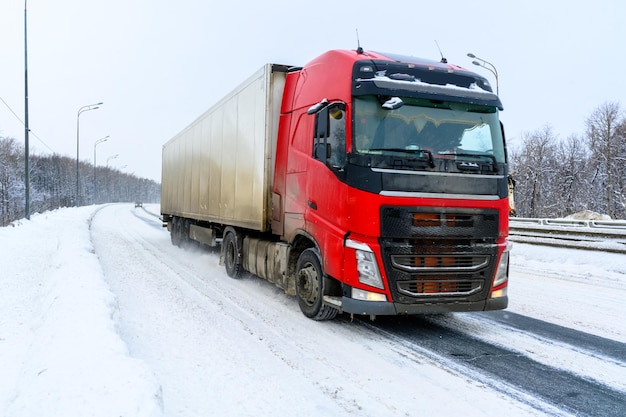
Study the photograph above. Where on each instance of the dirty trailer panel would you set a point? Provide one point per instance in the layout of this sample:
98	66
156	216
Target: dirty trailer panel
220	168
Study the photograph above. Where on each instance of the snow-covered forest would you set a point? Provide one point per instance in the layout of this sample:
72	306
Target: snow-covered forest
554	177
53	183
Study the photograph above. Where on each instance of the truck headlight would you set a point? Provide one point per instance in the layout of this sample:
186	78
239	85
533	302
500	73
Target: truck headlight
502	273
366	264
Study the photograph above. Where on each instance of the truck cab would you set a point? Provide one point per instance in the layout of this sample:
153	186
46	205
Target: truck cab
392	171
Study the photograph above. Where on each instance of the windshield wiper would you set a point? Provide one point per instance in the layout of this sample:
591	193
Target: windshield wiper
431	161
494	161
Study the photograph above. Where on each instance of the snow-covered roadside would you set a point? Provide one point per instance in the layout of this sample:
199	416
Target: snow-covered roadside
60	352
580	289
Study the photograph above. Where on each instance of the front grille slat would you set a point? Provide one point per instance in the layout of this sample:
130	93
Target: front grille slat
435	288
439	262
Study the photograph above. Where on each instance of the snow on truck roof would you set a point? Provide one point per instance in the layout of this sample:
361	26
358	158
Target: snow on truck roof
409	74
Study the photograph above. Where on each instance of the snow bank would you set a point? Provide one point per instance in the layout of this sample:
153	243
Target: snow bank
588	215
61	354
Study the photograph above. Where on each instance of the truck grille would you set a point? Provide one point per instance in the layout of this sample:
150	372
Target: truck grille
438	253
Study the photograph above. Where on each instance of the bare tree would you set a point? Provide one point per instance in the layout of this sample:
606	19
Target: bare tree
605	138
533	167
11	181
570	186
620	192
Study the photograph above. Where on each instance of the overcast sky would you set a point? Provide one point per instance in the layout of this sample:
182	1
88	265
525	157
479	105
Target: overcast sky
159	64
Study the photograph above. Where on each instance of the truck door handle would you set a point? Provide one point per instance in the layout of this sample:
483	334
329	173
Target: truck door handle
312	204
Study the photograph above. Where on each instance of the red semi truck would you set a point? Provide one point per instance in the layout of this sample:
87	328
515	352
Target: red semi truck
362	183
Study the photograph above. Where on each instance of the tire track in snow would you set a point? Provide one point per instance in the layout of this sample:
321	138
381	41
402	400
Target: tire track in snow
548	389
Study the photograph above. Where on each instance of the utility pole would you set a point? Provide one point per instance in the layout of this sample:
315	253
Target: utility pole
26	129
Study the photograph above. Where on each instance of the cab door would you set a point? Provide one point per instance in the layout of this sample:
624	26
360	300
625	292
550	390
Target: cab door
325	214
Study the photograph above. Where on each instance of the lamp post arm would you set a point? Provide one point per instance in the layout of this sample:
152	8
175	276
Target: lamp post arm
492	68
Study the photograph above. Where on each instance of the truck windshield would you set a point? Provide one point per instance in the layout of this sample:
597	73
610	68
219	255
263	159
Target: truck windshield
437	129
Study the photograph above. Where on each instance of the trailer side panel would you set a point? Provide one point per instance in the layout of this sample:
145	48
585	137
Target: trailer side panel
220	168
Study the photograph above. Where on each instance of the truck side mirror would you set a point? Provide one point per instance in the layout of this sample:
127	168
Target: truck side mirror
322	151
321	124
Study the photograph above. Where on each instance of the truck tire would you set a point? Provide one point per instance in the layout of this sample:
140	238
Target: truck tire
231	252
310	286
180	232
175	232
185	240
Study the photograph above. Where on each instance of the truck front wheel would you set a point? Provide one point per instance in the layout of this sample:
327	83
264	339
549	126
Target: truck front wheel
231	253
310	286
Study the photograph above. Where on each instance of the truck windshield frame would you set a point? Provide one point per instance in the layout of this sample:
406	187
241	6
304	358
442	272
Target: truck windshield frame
427	129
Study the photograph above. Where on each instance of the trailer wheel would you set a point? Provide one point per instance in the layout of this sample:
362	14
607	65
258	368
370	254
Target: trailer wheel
231	252
180	232
310	286
175	232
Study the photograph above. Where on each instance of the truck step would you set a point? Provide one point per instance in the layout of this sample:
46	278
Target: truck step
333	301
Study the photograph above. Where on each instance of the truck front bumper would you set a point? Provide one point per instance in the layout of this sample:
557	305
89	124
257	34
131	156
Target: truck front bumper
383	308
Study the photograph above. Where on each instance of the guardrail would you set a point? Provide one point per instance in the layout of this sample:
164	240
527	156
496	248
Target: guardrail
605	224
601	235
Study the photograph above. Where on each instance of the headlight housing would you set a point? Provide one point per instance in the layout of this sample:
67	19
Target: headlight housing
366	264
502	273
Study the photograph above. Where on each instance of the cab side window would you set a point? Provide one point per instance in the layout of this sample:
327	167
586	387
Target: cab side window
330	135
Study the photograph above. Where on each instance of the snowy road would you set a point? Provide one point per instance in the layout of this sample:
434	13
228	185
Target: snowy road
507	368
224	347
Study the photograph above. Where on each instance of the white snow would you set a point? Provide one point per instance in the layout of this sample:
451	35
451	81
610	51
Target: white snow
60	351
101	316
474	90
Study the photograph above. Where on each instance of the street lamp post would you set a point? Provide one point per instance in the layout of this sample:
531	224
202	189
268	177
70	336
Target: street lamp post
123	192
95	182
80	111
107	177
111	157
482	63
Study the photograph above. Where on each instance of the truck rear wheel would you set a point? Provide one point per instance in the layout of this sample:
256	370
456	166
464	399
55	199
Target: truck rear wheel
175	233
310	286
231	252
180	232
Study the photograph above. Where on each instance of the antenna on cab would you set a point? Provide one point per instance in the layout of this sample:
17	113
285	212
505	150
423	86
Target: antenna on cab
443	60
359	50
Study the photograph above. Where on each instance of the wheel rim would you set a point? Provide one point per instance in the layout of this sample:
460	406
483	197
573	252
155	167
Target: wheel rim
308	284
